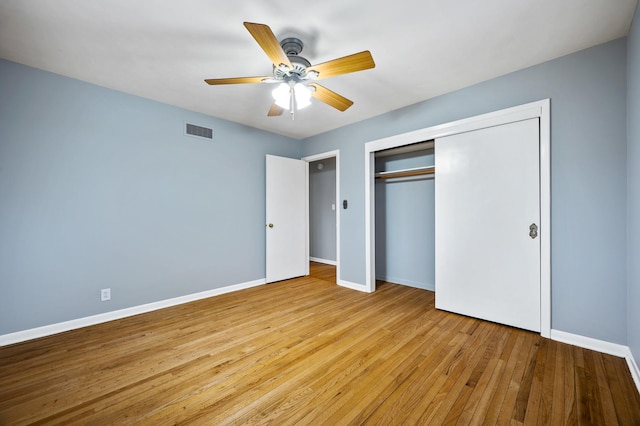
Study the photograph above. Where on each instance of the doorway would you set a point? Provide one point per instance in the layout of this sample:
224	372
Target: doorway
324	213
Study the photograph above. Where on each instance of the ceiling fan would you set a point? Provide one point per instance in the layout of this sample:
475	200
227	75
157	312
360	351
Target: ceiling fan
295	74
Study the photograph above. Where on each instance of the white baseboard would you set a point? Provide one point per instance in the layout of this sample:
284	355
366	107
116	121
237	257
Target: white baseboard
353	286
409	283
325	261
47	330
590	343
614	349
635	371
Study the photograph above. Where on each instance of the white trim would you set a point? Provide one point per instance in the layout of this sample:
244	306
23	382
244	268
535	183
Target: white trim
614	349
590	343
307	236
496	118
545	218
47	330
322	156
354	286
633	367
540	109
369	219
325	261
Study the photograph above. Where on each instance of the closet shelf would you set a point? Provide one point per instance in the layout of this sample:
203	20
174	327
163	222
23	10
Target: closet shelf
416	171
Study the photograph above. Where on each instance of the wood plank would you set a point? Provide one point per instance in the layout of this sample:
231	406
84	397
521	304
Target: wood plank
524	392
403	393
513	351
621	389
306	351
454	391
480	380
606	398
555	388
570	402
535	394
589	401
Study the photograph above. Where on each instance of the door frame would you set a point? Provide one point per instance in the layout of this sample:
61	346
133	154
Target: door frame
323	156
541	110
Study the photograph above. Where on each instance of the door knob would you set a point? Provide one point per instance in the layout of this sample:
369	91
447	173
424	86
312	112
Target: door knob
270	225
533	231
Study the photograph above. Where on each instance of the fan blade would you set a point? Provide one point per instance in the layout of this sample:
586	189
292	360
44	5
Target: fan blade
235	80
275	110
352	63
269	43
330	97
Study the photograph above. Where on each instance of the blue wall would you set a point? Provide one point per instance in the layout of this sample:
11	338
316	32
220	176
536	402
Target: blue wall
633	188
405	222
322	217
588	177
102	189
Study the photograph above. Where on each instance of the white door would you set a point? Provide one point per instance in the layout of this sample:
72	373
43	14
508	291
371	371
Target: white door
286	214
487	198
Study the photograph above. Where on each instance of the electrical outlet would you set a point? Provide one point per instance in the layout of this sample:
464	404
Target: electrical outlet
105	294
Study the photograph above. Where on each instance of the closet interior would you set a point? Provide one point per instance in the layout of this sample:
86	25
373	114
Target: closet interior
405	215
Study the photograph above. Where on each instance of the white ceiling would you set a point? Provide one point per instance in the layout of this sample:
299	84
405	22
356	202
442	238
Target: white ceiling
163	50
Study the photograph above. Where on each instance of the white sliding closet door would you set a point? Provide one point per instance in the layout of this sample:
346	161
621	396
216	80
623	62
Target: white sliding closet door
487	198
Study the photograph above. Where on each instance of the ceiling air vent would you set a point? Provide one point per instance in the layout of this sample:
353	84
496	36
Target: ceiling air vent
199	131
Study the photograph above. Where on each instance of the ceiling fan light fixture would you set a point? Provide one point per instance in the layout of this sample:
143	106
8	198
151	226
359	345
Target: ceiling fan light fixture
303	95
282	95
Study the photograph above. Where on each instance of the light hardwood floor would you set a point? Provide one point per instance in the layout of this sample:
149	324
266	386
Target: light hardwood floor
306	351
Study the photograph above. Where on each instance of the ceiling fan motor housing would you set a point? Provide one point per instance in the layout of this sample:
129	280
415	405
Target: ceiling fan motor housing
292	47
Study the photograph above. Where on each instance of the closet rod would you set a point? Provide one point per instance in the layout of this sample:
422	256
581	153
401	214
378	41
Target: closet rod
417	171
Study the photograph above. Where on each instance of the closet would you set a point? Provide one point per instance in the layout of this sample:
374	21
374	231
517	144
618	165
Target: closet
404	215
467	216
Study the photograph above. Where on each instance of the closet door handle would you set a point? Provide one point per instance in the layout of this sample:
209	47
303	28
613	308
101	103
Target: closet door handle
533	231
